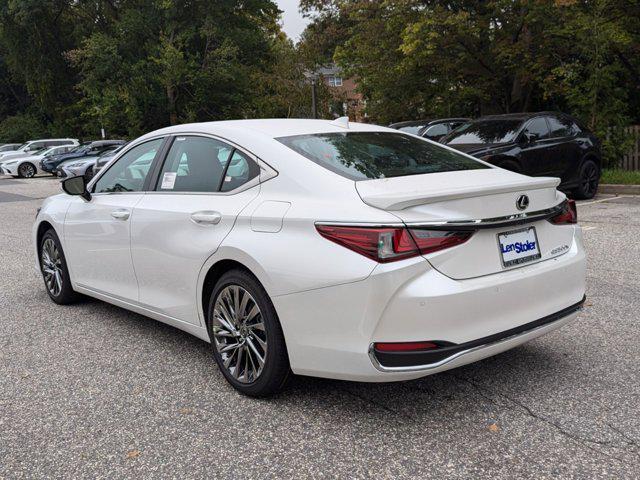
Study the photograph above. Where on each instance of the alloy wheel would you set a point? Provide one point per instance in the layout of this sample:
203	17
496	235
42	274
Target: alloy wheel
590	178
26	170
52	267
239	334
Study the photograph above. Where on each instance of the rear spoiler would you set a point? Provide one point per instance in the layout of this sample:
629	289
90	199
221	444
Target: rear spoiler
398	193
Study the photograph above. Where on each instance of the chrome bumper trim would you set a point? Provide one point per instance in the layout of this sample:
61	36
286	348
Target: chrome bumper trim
562	315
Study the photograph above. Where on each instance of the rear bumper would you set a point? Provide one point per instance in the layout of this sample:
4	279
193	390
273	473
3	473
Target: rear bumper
329	331
435	358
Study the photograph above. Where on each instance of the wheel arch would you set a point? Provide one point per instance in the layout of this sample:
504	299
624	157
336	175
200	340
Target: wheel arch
43	226
594	157
220	263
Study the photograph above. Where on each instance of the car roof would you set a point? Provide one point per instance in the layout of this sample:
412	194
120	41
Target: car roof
518	116
50	139
104	142
238	130
410	123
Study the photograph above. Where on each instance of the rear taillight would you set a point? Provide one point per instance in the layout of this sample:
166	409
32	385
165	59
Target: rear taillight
430	241
568	214
388	244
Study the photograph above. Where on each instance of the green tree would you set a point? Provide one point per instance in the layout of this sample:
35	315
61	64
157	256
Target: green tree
422	58
595	73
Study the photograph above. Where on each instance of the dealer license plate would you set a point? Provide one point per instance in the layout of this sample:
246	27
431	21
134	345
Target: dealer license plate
518	246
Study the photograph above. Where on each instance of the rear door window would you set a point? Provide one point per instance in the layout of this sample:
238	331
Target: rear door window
370	155
560	127
194	164
538	128
241	169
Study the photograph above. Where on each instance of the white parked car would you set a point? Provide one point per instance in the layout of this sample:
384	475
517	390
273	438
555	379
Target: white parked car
83	165
29	164
34	146
330	249
9	147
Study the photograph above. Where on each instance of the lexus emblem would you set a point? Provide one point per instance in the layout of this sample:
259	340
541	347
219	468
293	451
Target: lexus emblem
522	202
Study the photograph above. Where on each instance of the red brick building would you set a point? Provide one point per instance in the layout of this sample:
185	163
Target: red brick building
346	99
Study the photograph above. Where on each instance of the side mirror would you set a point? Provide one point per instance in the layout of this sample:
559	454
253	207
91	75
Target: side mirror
76	186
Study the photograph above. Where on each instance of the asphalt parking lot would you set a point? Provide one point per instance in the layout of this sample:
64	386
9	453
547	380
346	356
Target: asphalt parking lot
94	391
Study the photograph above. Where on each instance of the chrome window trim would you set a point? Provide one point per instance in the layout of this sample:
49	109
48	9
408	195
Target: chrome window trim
267	172
473	224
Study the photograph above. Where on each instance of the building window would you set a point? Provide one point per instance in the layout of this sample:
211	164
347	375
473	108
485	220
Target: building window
335	81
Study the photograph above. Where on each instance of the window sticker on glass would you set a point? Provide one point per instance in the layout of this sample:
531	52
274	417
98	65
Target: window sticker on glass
168	180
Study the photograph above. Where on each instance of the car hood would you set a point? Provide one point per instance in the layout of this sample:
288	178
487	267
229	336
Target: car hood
13	156
102	161
16	158
83	160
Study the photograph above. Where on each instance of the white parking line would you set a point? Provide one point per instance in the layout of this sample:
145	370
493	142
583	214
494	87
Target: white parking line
587	228
602	200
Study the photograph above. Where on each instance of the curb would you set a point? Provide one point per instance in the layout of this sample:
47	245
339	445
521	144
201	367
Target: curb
619	189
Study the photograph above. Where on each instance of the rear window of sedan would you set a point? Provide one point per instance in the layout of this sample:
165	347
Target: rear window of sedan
371	155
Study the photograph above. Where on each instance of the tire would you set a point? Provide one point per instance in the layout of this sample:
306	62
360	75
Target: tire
589	179
27	170
256	335
88	174
53	266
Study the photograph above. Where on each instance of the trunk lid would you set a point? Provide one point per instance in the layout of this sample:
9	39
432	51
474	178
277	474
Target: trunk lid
471	195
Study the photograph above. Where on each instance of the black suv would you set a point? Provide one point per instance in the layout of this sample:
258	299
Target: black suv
536	144
431	129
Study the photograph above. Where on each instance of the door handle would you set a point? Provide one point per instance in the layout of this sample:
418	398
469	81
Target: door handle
206	218
121	214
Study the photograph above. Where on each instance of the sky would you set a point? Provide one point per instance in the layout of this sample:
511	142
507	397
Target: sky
293	23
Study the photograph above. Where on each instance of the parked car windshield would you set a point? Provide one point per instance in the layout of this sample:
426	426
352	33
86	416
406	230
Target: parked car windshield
413	129
367	155
485	131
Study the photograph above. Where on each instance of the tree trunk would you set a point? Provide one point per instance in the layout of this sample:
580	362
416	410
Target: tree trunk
171	103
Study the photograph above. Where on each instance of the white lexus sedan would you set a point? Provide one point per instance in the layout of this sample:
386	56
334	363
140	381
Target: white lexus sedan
29	165
331	249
